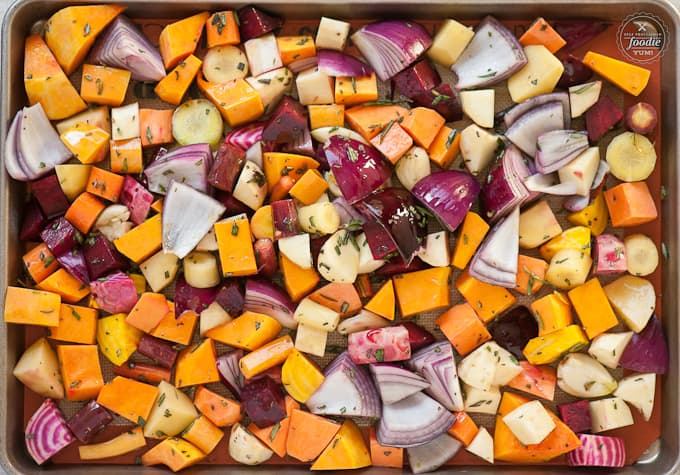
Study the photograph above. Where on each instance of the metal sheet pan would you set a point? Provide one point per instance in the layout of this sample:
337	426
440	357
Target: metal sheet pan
663	457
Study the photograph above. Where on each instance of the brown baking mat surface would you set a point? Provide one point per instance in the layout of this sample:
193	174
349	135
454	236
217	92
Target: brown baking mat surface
637	437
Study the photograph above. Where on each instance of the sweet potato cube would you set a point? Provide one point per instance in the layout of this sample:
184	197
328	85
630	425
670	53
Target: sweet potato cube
76	325
309	187
249	331
104	184
104	85
126	156
129	399
220	410
423	290
392	142
172	87
222	29
236	100
423	125
32	307
541	33
197	365
174	453
445	147
461	325
295	48
383	302
383	456
80	371
178	330
61	282
179	39
203	434
551	312
464	428
39	262
88	143
148	312
487	300
155	126
330	115
142	241
630	204
297	281
593	308
235	246
356	90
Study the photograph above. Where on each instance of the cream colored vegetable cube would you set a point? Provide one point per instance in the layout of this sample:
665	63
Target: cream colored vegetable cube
530	423
212	317
315	87
201	269
316	315
478	105
583	96
310	340
607	348
160	270
332	34
539	76
480	401
271	86
171	413
537	225
297	249
610	413
320	217
482	445
478	147
125	122
73	178
449	42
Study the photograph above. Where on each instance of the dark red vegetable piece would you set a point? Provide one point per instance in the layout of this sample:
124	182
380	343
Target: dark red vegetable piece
320	157
602	117
316	243
192	298
263	401
34	221
514	329
578	32
576	415
230	297
101	256
114	293
442	99
254	22
379	240
158	350
74	263
226	167
230	373
287	122
418	337
61	236
647	351
137	198
265	256
50	197
233	205
285	218
575	72
418	79
302	144
88	421
273	373
396	265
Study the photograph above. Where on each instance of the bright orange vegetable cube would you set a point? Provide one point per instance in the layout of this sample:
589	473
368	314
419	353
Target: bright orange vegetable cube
393	142
172	87
445	147
32	307
423	290
80	371
88	143
61	282
76	325
295	48
309	188
197	365
104	85
356	90
104	184
126	156
179	39
630	204
461	325
329	115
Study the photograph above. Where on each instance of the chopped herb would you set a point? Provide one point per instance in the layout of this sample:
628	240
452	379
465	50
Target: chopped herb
583	88
354	84
534	82
257	325
160	433
264	81
487	75
465	239
562	261
286	170
161	399
48	261
87	77
125	165
451	137
343	410
344	307
74	384
149	134
87	29
386	130
588	384
167	413
119	352
241	66
29	76
275	430
352	154
219	21
539	320
100	86
379	355
664	193
479	403
167	274
664	251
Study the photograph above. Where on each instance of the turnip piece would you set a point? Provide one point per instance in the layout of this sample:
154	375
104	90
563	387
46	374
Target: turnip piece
641	118
610	413
413	166
642	256
38	369
296	249
379	345
607	348
631	157
583	96
263	54
492	55
395	383
576	415
315	315
46	432
324	217
435	249
224	63
582	376
633	299
114	293
525	130
638	390
479	105
412	421
212	317
339	258
530	423
602	117
478	147
496	259
432	455
598	451
245	448
367	263
482	445
581	171
481	401
478	369
251	187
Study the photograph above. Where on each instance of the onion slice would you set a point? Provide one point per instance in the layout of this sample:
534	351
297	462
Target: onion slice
47	432
391	46
14	160
492	55
124	46
504	189
436	363
347	390
415	420
429	457
264	296
496	260
523	107
303	64
230	372
395	383
188	215
245	136
335	63
524	132
448	194
550	185
557	148
189	165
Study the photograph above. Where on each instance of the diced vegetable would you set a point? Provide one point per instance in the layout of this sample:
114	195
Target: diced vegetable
46	432
598	451
88	421
642	257
610	413
38	369
122	444
647	351
432	455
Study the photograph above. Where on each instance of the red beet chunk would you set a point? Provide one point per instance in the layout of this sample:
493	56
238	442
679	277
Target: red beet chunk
396	265
302	145
137	199
61	236
576	415
265	256
230	297
577	33
263	401
419	78
285	219
254	22
115	293
50	197
233	205
159	351
101	257
88	421
418	336
226	167
192	298
74	263
379	240
34	221
287	122
575	72
444	100
602	117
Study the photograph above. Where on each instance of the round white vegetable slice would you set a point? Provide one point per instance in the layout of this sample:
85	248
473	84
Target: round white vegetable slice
631	157
642	257
224	63
200	270
245	448
197	121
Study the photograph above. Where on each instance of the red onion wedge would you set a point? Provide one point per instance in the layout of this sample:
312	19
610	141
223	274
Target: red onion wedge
264	296
496	260
189	165
524	132
358	168
347	391
448	194
504	189
429	457
335	63
556	148
33	147
391	46
647	351
395	383
413	421
245	136
492	55
123	45
188	215
598	451
437	365
303	64
550	185
230	372
46	432
514	113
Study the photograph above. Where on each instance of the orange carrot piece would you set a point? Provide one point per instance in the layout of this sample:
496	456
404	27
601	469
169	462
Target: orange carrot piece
266	357
178	330
148	312
383	302
104	85
308	435
423	125
40	262
530	274
220	410
80	371
203	434
297	281
470	236
155	126
61	282
393	142
309	187
126	156
630	204
76	325
464	428
222	29
276	436
541	33
179	39
369	120
383	456
31	307
104	184
129	399
172	87
445	147
84	211
197	365
281	188
340	297
461	325
143	372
